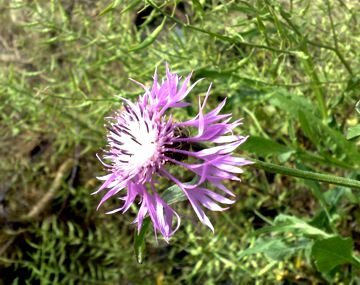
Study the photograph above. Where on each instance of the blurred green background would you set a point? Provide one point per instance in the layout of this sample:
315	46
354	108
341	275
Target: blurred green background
289	68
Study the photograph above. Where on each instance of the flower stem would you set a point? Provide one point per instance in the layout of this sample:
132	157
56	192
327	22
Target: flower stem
331	179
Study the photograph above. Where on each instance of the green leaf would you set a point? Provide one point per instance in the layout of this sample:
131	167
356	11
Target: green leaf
353	84
276	249
139	240
198	7
331	252
150	39
110	7
353	132
173	195
286	223
308	129
263	147
293	104
316	190
260	246
323	136
213	73
116	3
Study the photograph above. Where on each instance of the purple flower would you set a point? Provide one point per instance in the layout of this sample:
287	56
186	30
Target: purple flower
144	142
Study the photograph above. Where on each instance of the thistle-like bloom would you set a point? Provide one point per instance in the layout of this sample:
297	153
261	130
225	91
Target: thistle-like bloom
144	141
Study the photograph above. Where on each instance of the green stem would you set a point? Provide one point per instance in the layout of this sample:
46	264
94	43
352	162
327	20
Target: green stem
331	179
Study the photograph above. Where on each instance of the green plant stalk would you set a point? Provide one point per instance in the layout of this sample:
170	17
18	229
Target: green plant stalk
309	67
331	179
318	90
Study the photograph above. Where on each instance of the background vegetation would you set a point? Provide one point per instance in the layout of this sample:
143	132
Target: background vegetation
289	68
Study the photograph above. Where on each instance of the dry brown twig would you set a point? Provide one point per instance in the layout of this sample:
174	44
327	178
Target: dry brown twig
45	200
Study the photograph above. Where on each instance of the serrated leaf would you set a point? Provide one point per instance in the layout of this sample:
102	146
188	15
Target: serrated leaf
331	252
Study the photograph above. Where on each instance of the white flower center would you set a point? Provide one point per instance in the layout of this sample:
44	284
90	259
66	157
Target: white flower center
144	151
137	141
142	144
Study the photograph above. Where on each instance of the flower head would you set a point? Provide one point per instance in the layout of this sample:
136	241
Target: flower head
143	142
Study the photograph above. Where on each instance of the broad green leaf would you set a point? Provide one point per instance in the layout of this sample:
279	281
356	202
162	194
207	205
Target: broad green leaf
263	147
260	246
331	252
139	240
353	132
293	104
286	223
280	249
276	249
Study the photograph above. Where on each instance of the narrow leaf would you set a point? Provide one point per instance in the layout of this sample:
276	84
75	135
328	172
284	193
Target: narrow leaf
150	39
139	241
110	7
116	3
